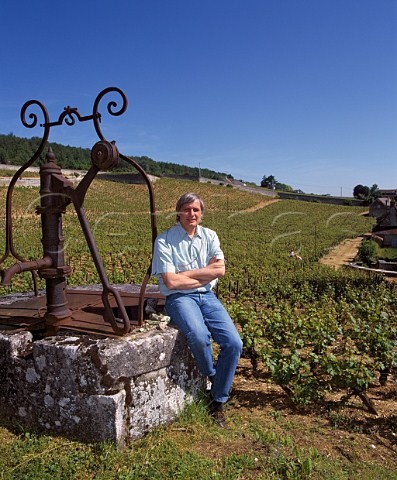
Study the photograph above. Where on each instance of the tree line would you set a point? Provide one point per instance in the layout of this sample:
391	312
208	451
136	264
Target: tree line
17	151
273	184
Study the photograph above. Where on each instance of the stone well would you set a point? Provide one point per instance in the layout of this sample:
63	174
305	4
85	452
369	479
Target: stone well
96	389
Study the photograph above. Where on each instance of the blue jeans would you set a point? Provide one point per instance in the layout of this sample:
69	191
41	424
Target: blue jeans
202	317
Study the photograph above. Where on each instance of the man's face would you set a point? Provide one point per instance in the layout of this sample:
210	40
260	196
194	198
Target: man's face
190	215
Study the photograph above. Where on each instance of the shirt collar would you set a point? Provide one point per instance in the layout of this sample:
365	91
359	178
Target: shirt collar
199	230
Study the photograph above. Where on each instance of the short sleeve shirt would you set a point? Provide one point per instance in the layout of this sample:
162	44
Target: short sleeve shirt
174	251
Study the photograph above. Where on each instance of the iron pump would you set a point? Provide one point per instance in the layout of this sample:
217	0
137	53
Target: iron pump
52	206
56	193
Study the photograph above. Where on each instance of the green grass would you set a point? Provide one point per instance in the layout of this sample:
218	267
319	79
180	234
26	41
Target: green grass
191	448
389	254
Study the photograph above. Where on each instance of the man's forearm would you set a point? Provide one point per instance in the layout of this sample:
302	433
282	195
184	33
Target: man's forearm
175	281
194	278
208	273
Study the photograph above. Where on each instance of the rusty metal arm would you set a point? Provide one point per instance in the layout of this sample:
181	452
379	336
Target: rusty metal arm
77	196
107	288
81	189
153	222
19	267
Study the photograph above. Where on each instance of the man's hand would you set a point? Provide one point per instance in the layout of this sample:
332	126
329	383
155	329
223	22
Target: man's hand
195	278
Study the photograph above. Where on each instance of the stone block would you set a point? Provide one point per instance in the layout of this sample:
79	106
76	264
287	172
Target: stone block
96	389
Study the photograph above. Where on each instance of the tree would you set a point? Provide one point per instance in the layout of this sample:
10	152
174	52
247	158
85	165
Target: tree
269	182
361	192
367	251
374	193
284	187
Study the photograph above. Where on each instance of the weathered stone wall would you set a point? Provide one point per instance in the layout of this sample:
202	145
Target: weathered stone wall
131	178
321	199
384	265
94	389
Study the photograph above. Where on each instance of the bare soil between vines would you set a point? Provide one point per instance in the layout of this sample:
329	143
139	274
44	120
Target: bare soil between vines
338	431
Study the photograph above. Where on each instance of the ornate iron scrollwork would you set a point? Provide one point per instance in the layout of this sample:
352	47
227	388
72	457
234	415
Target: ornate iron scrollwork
104	156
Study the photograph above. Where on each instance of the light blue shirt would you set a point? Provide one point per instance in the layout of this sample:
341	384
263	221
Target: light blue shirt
175	251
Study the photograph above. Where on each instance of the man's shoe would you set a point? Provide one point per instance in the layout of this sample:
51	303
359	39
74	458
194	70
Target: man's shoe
217	413
219	417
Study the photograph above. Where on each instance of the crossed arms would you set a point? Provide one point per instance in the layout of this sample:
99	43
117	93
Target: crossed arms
195	278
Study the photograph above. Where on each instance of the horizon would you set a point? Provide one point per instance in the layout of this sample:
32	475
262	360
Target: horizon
227	174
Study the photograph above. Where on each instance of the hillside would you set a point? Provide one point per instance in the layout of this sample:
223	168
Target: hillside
17	151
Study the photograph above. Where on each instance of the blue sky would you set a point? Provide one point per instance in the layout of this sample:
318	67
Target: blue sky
305	90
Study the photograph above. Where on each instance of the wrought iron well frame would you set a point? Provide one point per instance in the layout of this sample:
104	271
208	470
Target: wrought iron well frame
56	193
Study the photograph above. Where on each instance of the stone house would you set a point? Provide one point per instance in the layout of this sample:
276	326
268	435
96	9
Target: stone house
384	232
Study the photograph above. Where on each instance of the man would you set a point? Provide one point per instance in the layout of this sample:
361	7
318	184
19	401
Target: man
188	261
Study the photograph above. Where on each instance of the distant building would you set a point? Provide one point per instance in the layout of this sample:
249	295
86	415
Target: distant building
385	238
388	193
384	232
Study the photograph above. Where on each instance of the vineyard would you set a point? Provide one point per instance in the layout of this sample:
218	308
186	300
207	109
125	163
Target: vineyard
309	331
312	328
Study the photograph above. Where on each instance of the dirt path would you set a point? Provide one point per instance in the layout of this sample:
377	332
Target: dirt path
262	204
344	253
